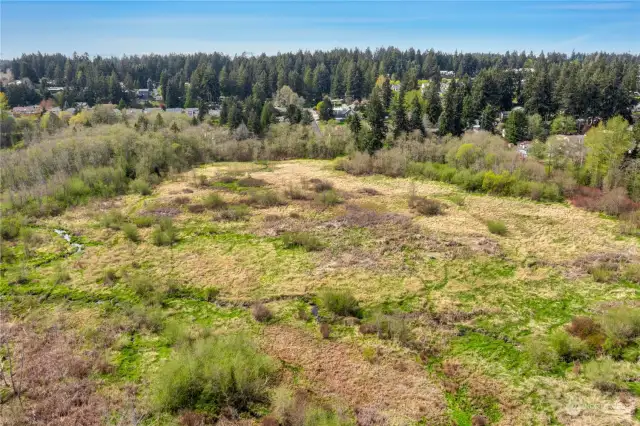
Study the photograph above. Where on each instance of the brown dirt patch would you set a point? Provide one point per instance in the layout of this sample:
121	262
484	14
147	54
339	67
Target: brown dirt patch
54	380
338	370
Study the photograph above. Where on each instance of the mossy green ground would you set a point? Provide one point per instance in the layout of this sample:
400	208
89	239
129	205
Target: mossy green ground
497	290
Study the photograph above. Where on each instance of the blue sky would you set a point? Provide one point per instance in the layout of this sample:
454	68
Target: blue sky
130	27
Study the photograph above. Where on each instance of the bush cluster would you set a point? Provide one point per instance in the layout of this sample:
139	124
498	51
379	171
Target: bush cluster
301	239
613	335
341	302
218	372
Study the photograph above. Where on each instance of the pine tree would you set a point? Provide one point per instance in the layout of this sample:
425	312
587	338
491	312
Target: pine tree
115	92
202	110
387	93
189	102
376	114
516	126
159	122
321	81
488	118
355	81
400	123
354	125
449	119
325	109
163	85
415	122
210	85
266	115
434	106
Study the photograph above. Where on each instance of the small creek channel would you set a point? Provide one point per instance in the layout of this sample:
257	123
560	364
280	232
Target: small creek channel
67	237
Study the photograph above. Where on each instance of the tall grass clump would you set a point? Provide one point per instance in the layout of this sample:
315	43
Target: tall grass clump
131	232
426	206
341	302
218	372
301	239
328	198
265	198
140	186
497	227
213	201
165	234
113	219
569	348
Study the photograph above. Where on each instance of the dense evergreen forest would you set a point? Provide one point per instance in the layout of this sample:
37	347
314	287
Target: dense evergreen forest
581	85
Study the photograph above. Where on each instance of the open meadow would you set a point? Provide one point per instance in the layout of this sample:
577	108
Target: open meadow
289	292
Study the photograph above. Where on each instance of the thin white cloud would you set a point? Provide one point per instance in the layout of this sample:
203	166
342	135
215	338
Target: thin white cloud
587	6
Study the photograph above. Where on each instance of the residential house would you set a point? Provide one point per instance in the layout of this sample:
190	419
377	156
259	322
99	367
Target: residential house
26	110
341	113
143	94
191	112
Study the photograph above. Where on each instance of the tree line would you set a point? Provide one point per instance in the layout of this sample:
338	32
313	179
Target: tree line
594	84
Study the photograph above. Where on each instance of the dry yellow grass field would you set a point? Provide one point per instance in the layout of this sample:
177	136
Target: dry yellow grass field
463	301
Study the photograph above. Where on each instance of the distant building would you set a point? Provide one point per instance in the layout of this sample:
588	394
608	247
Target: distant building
175	110
341	113
55	89
26	110
143	94
191	112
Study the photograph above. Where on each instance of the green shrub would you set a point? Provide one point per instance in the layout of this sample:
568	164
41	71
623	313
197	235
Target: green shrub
222	371
265	198
497	227
569	348
113	219
142	286
621	326
213	201
61	276
211	293
234	213
319	185
301	239
341	302
140	186
601	274
131	232
250	182
426	206
261	313
175	333
144	221
604	374
500	184
391	327
165	233
328	198
541	353
295	193
457	199
632	273
151	319
10	227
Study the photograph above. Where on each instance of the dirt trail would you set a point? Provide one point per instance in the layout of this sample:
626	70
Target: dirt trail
402	395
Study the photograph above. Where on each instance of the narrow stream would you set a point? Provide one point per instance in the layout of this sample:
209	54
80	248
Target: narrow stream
67	237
